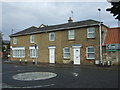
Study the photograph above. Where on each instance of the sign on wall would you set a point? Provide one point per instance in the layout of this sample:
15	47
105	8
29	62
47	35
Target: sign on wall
112	46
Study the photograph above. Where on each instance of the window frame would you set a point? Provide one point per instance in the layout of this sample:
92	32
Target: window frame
87	53
15	40
66	52
50	36
88	32
32	38
71	34
33	52
18	52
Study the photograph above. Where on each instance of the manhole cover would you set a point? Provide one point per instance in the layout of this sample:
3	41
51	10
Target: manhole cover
31	76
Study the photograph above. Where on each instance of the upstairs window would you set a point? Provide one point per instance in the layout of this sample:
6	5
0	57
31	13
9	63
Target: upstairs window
90	52
71	34
51	36
66	52
32	39
91	32
14	40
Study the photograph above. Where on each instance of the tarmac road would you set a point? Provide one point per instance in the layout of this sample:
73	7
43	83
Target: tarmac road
67	77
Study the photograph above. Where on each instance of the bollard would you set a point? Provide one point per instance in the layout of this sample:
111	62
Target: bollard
20	61
25	61
33	61
108	63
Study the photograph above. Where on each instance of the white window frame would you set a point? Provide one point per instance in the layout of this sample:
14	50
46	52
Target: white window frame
87	53
71	34
33	52
18	52
66	52
15	40
32	38
88	32
50	36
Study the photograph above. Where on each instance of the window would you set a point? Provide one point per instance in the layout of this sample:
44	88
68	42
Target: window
91	32
32	39
66	52
33	52
14	40
51	36
90	52
18	52
71	34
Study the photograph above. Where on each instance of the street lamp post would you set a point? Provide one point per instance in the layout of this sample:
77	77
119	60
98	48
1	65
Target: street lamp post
100	30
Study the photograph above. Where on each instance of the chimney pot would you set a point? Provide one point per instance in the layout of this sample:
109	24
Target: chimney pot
70	20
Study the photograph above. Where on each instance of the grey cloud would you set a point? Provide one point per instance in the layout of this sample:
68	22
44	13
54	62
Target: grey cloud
19	16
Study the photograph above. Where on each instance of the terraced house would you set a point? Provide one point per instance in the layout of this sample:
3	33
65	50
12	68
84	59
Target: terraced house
71	42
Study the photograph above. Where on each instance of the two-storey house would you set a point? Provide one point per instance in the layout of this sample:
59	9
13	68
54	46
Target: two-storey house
72	42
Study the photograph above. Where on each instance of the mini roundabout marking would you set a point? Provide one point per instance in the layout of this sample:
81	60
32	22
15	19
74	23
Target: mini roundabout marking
32	76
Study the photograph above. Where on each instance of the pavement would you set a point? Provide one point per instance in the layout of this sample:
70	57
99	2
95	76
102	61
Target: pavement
66	65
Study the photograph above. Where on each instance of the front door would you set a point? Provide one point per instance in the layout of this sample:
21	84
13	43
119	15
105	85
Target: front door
52	55
76	55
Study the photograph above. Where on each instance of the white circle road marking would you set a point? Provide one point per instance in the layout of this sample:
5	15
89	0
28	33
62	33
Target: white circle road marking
31	76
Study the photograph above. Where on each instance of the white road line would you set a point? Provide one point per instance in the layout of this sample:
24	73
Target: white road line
75	74
8	86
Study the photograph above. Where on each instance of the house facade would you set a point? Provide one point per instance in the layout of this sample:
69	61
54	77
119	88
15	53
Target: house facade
112	46
72	42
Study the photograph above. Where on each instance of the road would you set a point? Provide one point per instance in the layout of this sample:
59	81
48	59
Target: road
67	77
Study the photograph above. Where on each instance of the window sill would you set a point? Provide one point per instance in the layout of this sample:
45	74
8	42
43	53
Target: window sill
51	41
66	58
32	42
90	58
90	37
18	57
71	39
33	57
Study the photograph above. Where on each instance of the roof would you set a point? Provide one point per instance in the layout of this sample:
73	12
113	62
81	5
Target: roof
113	36
66	26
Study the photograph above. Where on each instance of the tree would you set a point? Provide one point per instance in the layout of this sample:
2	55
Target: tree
115	9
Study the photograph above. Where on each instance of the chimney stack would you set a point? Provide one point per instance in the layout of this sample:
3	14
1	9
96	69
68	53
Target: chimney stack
70	20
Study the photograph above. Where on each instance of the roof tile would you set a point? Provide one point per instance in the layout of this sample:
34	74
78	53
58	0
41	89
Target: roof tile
113	36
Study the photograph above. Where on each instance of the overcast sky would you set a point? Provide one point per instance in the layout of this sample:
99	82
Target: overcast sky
21	15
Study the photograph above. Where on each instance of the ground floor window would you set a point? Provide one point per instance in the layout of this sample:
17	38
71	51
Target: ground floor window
18	52
90	52
66	53
33	52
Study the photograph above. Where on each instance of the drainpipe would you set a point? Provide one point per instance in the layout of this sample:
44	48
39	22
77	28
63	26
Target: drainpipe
101	61
100	32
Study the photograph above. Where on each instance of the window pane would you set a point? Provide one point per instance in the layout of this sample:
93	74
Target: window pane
67	55
14	40
91	49
32	37
52	36
71	34
91	35
91	55
67	50
91	30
